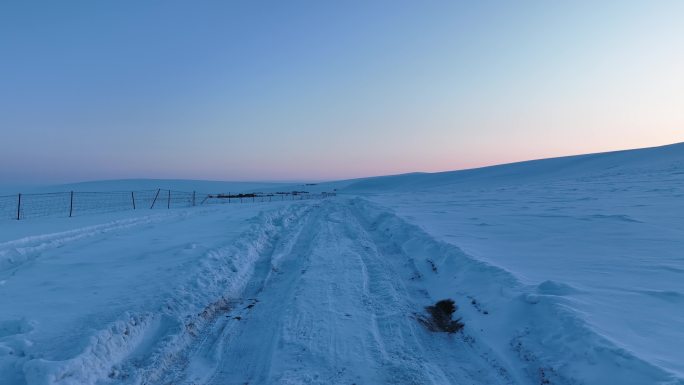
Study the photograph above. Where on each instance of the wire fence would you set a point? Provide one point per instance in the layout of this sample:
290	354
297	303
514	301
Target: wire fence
74	203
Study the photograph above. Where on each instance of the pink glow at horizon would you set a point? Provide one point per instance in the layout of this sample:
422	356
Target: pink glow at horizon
242	91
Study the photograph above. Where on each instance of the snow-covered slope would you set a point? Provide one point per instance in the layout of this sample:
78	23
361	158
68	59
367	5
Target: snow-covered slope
565	271
669	160
602	233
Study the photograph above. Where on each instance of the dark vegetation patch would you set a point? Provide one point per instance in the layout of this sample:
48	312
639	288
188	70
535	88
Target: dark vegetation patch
440	319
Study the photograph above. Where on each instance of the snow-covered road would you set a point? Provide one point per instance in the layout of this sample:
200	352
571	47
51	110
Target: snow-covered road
328	305
317	292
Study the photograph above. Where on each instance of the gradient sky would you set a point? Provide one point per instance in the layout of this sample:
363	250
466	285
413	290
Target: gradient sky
287	90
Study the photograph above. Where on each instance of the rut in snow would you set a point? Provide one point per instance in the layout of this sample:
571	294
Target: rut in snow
331	304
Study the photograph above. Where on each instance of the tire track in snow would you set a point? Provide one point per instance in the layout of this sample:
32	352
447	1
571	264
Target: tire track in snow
136	347
432	358
200	361
247	357
335	308
16	253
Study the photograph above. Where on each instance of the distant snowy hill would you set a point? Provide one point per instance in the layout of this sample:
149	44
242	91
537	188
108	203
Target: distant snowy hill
173	184
204	186
668	158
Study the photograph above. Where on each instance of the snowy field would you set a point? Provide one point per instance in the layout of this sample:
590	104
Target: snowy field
566	271
600	235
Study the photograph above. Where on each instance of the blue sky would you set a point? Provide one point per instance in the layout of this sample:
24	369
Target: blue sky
288	90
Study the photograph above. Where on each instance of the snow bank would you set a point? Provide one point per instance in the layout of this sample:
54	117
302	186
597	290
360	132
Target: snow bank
600	234
530	326
159	326
105	348
217	285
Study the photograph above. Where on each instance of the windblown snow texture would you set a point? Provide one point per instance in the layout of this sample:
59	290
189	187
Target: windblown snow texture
565	271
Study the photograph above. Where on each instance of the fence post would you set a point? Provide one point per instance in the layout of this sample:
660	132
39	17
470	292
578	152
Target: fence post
155	198
71	204
133	199
19	208
193	198
228	196
168	202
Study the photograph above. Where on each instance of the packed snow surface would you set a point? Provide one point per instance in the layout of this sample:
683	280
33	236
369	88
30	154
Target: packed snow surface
565	271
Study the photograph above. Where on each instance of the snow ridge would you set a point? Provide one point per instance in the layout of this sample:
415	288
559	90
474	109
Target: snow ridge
528	327
219	283
137	348
17	252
